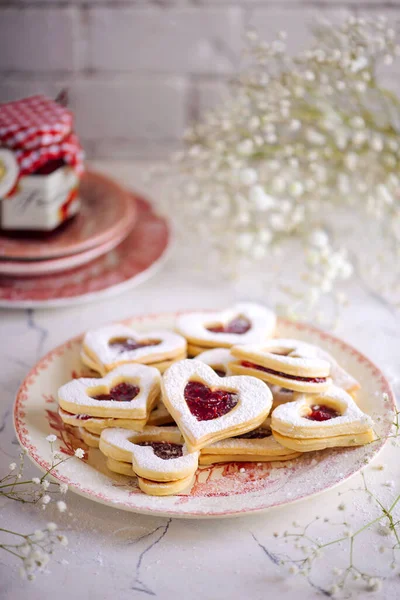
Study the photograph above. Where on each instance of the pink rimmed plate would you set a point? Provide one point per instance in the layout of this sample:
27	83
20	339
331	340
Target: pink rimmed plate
218	490
135	259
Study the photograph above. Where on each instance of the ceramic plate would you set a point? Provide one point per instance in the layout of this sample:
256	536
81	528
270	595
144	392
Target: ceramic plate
135	259
24	268
218	490
105	210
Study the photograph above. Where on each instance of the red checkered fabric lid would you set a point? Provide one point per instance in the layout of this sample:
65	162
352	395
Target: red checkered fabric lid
69	149
33	122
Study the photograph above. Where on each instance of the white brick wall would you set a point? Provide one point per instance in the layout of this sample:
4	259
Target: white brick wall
138	71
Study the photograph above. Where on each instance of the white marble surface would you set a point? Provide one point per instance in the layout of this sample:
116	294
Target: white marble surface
124	556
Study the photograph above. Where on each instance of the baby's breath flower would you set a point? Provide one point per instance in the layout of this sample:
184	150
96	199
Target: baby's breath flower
12	466
36	480
39	534
45	484
62	507
45	499
51	527
51	438
79	453
63	488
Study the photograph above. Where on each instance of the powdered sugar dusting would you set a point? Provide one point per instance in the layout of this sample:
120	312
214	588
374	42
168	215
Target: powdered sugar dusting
217	358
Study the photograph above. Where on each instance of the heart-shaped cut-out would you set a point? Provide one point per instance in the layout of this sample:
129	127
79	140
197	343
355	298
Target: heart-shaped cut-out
129	391
111	346
332	413
156	453
244	323
291	364
122	392
251	396
206	404
239	325
218	359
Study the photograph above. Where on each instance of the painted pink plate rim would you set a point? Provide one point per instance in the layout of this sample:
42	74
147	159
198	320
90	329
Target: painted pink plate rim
21	425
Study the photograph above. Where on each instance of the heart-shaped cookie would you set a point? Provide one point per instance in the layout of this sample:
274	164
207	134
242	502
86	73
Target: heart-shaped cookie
218	359
115	345
157	453
128	392
244	323
254	446
288	363
332	414
208	408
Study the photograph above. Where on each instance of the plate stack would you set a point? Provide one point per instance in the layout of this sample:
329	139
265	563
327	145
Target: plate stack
115	238
107	216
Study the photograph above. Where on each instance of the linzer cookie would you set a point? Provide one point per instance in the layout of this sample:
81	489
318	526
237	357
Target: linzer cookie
218	359
108	347
290	364
317	421
128	392
208	408
255	446
244	323
158	456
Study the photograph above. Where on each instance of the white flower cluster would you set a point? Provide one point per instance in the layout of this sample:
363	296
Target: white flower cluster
298	134
37	548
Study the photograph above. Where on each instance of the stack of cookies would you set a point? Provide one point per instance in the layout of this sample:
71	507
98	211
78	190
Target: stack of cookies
262	400
158	457
124	398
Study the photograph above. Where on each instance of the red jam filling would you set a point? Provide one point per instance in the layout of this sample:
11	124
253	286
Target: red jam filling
128	344
123	392
164	450
50	167
238	325
320	412
256	434
80	417
220	372
206	404
250	365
